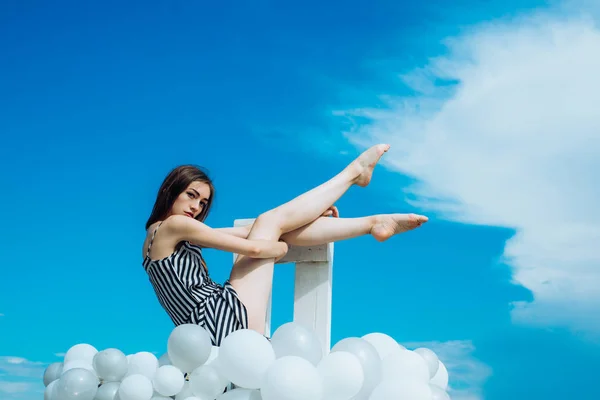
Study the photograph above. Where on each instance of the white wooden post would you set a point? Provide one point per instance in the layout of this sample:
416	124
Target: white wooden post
312	287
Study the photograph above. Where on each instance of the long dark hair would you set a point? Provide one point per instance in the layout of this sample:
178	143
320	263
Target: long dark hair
174	184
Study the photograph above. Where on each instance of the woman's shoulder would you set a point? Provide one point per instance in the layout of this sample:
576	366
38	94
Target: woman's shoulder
181	226
170	228
153	237
160	235
169	223
153	227
174	221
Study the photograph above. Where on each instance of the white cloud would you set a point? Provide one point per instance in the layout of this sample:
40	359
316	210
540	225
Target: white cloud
513	142
15	387
21	379
466	373
15	360
19	367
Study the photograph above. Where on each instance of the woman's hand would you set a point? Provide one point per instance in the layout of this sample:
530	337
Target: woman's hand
331	212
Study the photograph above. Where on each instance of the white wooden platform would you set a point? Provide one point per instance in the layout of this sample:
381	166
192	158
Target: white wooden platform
312	287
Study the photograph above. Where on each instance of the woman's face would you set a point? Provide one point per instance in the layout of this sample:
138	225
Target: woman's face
192	200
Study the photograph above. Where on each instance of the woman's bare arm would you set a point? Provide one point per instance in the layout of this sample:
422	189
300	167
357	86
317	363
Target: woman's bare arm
181	228
237	231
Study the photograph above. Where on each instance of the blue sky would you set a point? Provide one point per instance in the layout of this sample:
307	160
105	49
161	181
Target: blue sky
494	138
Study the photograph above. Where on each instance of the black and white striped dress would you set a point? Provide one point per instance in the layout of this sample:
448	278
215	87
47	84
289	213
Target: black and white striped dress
186	292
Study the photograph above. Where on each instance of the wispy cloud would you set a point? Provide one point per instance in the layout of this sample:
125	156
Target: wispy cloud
15	387
467	374
504	130
19	367
21	379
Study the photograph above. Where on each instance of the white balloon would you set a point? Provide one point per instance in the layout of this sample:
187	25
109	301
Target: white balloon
438	393
110	365
342	375
53	372
188	347
214	354
108	391
369	360
244	357
384	344
401	389
50	391
186	391
291	366
441	377
136	387
164	360
207	382
292	378
431	359
73	364
213	361
168	380
83	351
293	339
143	363
241	394
77	384
405	364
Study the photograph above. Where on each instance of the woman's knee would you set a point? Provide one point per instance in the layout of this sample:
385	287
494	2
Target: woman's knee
271	219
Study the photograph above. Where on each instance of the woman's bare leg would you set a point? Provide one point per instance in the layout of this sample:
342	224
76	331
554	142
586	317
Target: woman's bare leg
327	230
310	205
252	278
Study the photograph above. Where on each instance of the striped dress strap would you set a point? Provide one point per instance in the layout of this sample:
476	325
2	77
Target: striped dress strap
152	240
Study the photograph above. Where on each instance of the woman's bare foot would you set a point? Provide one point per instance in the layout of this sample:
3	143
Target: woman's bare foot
365	163
388	225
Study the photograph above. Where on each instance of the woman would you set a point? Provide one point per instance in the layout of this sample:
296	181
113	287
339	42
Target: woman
176	234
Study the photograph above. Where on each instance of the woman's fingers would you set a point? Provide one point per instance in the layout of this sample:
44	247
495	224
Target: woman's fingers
331	211
335	212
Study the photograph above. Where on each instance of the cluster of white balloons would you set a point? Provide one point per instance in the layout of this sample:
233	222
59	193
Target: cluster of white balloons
291	366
